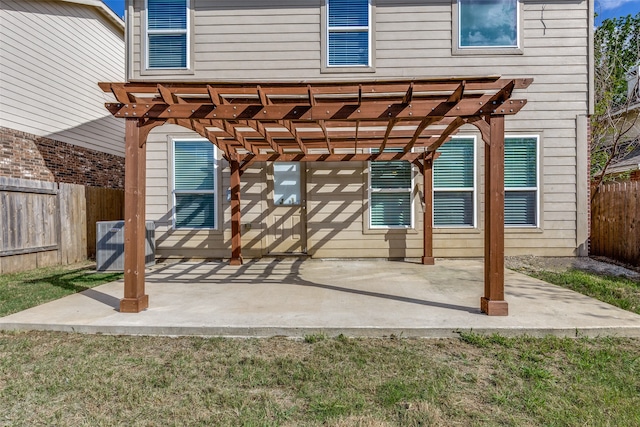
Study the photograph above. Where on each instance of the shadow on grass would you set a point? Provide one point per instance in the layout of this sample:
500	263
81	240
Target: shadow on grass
20	291
77	280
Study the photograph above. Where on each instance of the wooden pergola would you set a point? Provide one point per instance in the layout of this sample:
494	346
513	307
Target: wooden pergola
316	122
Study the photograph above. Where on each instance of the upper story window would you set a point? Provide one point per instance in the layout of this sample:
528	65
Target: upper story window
491	25
167	34
348	33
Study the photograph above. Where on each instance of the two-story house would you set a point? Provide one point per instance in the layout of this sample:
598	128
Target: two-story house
360	128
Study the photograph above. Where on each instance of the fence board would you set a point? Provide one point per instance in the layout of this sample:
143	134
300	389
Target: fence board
73	223
103	204
615	222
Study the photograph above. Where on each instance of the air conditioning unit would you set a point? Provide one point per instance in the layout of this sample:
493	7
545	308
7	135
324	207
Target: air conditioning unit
633	83
110	245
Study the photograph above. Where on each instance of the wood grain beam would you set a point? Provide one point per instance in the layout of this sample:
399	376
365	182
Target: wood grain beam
294	132
323	126
427	220
299	157
371	110
493	302
408	97
390	86
236	238
446	134
135	299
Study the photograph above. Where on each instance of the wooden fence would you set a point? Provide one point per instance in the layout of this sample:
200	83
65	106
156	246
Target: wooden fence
615	222
103	204
45	223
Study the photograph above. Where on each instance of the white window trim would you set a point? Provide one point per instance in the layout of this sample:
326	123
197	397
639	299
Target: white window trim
536	188
464	189
215	191
370	29
392	190
456	49
145	45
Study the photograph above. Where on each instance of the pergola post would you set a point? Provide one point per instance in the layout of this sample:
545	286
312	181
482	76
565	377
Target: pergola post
493	303
236	238
135	299
427	240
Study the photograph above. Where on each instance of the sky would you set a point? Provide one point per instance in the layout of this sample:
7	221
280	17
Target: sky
118	6
616	8
604	8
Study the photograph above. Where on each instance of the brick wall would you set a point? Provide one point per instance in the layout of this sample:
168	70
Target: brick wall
27	156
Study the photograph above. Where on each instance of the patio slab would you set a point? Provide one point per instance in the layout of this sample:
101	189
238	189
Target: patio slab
295	297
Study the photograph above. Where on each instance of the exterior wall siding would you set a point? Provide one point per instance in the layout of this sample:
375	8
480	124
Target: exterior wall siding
281	40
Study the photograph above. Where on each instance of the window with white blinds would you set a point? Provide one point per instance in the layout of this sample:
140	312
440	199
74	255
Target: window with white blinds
390	185
167	34
521	181
194	184
454	185
348	33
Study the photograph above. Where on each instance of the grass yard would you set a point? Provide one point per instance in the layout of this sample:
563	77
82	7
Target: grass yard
618	291
73	379
93	380
20	291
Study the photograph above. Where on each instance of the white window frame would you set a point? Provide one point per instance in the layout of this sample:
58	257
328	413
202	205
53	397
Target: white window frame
457	49
536	188
369	29
216	185
393	190
148	32
474	189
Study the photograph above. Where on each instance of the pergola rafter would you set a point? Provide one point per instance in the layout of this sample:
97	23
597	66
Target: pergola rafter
324	121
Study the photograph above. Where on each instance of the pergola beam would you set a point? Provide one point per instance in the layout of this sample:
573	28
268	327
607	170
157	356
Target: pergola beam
493	302
427	227
374	110
390	86
374	157
236	239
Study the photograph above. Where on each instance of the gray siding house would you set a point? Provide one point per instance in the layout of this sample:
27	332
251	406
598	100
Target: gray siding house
370	209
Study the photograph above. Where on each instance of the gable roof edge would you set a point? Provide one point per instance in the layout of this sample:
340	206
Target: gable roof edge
103	8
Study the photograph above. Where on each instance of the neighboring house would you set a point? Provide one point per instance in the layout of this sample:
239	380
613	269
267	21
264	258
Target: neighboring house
53	126
629	165
358	208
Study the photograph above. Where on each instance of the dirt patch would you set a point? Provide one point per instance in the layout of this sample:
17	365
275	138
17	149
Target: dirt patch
530	263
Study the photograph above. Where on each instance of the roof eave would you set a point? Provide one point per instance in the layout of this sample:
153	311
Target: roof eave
103	8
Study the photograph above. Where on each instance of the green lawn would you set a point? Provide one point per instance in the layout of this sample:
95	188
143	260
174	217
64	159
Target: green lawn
73	379
618	291
20	291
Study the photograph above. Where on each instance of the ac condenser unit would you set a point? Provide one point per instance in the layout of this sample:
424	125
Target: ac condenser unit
110	245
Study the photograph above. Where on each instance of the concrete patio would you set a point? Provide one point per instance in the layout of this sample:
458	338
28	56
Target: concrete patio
295	297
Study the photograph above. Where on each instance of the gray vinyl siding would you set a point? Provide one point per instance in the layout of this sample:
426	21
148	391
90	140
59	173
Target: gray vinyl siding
52	56
281	40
